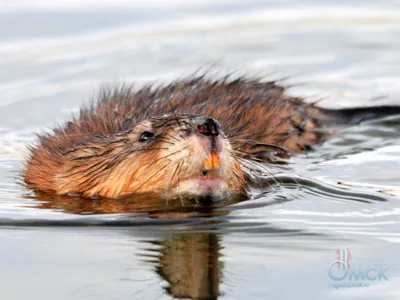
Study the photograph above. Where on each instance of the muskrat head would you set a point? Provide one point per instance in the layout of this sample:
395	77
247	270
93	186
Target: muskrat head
172	156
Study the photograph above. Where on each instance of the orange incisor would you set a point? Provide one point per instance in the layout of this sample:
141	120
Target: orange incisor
212	161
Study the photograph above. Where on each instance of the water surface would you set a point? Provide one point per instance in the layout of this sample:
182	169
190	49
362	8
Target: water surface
279	244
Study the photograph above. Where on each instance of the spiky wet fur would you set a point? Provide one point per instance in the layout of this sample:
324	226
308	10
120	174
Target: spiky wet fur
96	154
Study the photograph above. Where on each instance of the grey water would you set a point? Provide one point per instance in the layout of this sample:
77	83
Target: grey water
281	243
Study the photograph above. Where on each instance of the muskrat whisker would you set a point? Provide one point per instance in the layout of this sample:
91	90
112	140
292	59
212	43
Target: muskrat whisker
260	165
247	155
180	127
163	157
274	179
147	149
159	138
165	123
255	143
241	153
171	136
176	131
243	133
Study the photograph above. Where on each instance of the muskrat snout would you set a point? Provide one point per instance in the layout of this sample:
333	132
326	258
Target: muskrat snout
209	128
210	138
207	165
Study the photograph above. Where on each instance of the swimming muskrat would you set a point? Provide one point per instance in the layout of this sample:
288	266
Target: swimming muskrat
188	138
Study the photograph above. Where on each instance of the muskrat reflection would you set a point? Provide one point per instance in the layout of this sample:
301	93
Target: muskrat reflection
190	263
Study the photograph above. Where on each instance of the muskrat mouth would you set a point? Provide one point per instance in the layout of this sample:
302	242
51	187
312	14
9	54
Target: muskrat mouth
211	162
209	180
210	167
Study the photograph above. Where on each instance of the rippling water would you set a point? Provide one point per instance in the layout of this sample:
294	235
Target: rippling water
279	244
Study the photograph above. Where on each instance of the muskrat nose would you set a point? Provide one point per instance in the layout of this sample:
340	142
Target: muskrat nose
209	127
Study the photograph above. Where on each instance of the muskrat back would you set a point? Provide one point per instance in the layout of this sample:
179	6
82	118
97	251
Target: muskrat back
185	138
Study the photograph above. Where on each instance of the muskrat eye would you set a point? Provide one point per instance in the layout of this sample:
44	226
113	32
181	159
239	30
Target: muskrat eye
145	136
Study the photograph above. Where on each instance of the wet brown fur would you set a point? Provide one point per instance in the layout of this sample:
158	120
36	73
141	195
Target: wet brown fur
257	117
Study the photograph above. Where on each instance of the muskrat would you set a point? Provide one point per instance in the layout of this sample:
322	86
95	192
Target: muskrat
188	138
